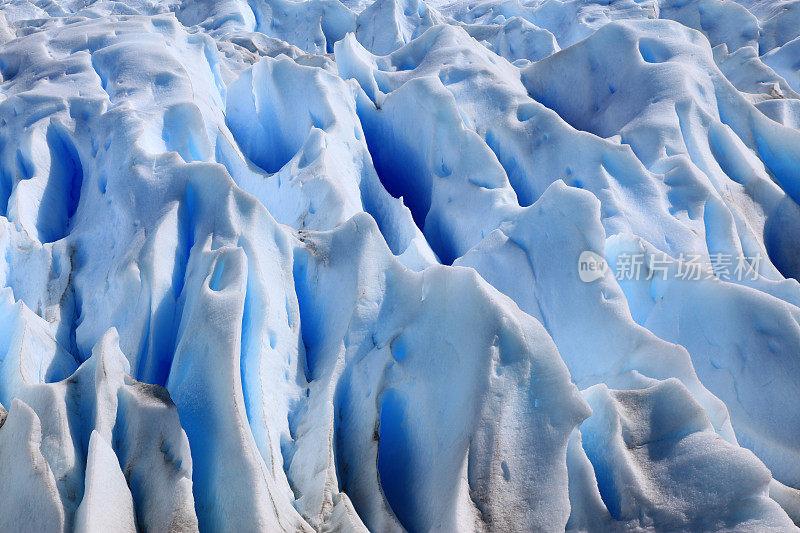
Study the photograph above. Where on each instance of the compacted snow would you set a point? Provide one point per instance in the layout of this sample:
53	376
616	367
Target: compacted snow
469	265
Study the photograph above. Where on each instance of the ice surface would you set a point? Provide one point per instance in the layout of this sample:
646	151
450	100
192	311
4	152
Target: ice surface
314	265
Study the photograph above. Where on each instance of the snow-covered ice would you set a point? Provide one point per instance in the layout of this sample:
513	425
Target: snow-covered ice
313	265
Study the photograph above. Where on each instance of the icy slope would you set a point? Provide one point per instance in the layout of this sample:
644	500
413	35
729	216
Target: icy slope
315	266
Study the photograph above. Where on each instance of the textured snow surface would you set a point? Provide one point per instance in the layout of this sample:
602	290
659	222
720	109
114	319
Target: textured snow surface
276	265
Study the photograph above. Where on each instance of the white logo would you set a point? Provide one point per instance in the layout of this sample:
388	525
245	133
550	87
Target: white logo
591	266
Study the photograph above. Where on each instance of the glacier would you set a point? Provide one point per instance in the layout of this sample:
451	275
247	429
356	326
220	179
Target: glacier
316	265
